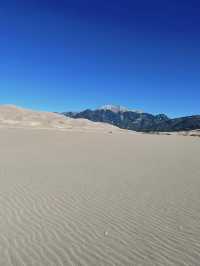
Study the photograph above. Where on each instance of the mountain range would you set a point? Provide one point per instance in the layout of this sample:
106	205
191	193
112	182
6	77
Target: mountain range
137	120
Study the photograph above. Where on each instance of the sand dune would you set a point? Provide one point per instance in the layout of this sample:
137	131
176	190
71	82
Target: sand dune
87	198
12	116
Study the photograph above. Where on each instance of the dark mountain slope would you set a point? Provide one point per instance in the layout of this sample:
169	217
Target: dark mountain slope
139	121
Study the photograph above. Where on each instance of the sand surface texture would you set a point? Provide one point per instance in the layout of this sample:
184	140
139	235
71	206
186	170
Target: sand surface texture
94	198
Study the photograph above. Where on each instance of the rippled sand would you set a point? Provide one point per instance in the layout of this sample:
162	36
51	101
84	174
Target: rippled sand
77	198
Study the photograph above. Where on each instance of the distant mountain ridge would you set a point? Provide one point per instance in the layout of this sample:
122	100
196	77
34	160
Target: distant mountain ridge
117	108
137	120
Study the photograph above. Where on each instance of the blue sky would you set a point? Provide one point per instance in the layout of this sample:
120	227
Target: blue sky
71	55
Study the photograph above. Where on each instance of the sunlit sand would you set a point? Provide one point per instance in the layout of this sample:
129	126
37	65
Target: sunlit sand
93	198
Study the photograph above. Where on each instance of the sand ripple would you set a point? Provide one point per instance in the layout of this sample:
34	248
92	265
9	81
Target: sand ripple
97	199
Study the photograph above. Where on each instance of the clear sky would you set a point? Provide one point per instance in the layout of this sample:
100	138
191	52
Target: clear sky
64	55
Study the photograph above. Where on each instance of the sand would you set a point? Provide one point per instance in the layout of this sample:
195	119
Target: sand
94	198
